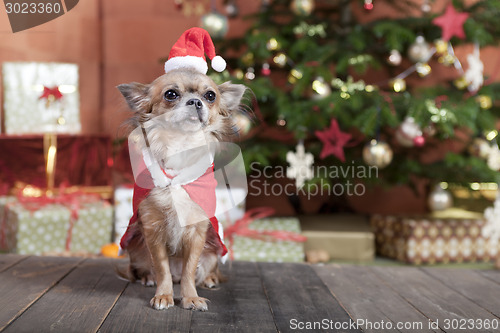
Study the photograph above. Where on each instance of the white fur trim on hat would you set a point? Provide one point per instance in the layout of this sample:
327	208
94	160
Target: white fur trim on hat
218	63
197	63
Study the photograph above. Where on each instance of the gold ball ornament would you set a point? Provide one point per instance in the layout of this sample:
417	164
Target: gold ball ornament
447	59
439	199
294	76
420	50
273	44
242	123
398	85
377	153
370	88
490	134
296	73
248	59
461	83
280	59
321	88
61	121
423	69
441	46
238	73
484	101
302	7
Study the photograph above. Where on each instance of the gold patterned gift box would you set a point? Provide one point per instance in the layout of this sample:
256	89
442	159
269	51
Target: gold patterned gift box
430	239
343	236
83	227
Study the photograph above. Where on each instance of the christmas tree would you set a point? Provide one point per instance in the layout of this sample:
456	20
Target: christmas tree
355	91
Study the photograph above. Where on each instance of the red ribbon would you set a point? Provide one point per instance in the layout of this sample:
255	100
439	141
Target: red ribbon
241	228
73	201
47	92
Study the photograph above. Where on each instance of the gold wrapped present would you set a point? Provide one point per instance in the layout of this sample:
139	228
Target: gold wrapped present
343	236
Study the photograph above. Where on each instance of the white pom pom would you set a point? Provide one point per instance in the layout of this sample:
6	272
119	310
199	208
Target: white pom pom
218	63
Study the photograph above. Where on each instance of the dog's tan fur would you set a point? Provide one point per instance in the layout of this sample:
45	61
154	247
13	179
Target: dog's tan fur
162	250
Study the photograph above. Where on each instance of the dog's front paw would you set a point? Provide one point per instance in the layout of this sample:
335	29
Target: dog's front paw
194	303
160	302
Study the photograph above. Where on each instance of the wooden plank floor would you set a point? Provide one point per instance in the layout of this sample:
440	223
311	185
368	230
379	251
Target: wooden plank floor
47	294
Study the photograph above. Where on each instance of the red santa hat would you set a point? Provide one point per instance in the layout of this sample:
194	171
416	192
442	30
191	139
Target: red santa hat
189	52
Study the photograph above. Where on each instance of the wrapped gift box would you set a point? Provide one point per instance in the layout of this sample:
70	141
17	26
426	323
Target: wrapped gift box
28	107
343	236
443	238
251	249
54	227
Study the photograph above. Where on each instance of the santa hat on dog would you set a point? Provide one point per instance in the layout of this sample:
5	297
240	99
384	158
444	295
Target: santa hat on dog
189	52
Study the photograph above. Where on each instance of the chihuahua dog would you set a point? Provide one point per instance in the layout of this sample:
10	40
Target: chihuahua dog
183	109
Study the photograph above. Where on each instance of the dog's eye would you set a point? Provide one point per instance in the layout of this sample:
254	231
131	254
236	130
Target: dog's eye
210	96
171	95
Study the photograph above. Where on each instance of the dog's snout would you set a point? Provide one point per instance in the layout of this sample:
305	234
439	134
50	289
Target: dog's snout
196	102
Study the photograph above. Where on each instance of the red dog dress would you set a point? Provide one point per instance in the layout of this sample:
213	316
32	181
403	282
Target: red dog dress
201	191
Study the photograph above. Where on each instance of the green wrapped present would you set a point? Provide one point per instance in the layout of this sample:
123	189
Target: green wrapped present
82	225
274	239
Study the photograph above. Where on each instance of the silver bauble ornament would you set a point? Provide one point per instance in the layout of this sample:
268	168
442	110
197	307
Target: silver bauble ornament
394	58
480	148
302	7
232	10
215	23
377	153
407	132
250	74
419	51
426	8
439	199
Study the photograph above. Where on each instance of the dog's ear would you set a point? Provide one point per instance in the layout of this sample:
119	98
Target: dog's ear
137	96
231	95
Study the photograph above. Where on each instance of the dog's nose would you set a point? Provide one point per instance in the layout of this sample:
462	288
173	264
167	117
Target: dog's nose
196	102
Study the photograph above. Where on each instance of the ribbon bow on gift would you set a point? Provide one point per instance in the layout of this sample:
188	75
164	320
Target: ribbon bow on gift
51	93
241	228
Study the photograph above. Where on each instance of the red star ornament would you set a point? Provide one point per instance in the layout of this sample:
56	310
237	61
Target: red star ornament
452	23
333	140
